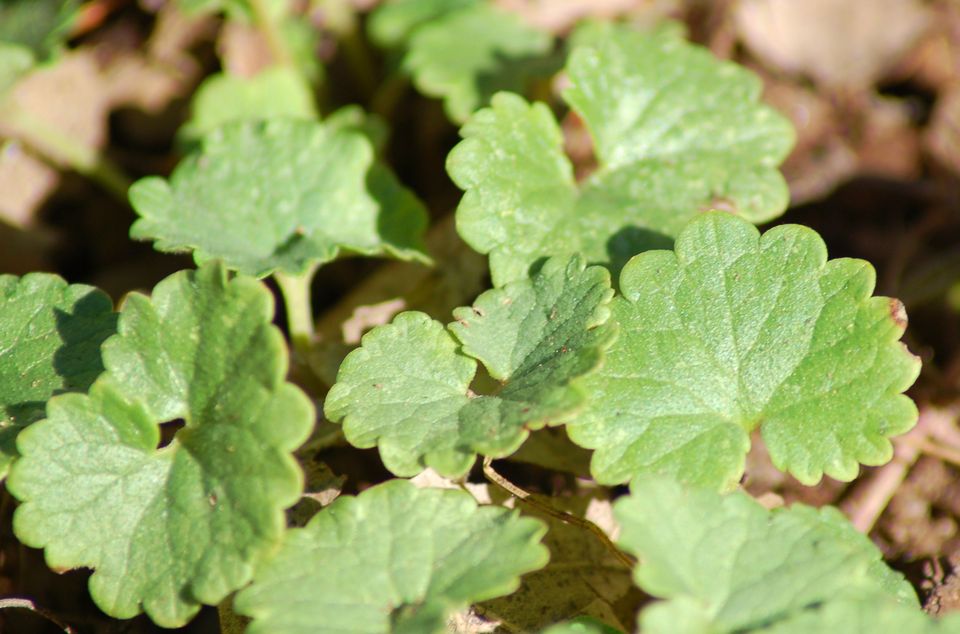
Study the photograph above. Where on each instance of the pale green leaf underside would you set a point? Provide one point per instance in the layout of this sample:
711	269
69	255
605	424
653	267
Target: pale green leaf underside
676	132
173	528
407	388
223	98
726	564
393	559
279	195
50	336
734	332
468	55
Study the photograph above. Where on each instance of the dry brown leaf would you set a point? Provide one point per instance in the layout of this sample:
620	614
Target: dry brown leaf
550	448
430	479
25	181
469	622
67	97
839	43
366	317
582	578
322	487
942	137
61	111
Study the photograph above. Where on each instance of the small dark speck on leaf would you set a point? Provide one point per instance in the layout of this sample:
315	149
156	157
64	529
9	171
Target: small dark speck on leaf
213	499
563	349
377	386
898	313
478	312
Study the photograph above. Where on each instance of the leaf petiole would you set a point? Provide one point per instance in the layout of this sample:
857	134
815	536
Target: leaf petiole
271	33
296	299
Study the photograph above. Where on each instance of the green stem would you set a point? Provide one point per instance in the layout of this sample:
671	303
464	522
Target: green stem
56	147
271	32
386	98
296	298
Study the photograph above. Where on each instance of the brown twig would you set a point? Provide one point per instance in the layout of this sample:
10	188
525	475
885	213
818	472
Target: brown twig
546	509
868	501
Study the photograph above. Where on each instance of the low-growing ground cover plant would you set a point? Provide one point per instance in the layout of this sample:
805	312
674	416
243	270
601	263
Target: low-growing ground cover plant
175	444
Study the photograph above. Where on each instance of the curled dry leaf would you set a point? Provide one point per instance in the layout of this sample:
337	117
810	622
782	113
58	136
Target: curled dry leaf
839	43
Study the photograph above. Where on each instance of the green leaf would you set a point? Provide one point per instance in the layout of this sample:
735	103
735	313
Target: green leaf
15	60
38	25
392	23
238	10
50	336
223	98
675	130
867	617
726	564
735	331
279	195
582	625
466	56
407	388
353	117
172	527
393	559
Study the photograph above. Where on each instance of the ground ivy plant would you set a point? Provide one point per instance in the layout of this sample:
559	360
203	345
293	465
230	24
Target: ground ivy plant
639	308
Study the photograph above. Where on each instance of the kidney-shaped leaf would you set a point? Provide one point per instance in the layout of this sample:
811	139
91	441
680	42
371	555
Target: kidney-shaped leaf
734	331
224	98
726	564
172	527
407	388
50	336
675	131
467	55
392	22
279	195
393	559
